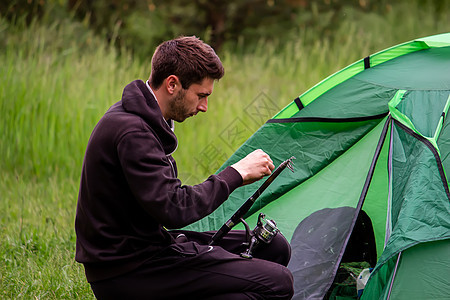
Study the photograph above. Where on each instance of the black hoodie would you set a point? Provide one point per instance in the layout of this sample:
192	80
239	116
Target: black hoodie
129	188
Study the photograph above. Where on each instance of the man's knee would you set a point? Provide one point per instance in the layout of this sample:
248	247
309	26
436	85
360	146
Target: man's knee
288	283
283	287
278	251
283	247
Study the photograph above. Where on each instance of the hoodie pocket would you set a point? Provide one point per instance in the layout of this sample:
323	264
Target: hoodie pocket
188	249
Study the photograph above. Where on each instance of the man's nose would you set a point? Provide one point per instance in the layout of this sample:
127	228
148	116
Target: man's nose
203	105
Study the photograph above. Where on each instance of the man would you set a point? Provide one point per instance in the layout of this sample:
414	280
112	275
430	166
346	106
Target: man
129	195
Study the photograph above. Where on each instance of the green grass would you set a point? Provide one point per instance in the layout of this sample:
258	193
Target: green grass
56	81
37	240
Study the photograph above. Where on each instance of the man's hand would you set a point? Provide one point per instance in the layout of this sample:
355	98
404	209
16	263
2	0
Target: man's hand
254	166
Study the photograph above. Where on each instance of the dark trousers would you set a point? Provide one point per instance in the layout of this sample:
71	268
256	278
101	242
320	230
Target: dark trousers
190	269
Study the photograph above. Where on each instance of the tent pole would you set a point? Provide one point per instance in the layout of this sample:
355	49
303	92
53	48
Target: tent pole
393	275
373	164
389	204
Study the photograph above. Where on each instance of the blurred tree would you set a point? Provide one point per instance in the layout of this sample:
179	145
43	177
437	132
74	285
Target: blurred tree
141	25
104	16
17	9
255	19
227	20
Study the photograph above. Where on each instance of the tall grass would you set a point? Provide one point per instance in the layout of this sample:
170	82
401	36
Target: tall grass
37	240
55	85
56	81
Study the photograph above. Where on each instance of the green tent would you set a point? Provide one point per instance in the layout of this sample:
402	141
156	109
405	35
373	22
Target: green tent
372	148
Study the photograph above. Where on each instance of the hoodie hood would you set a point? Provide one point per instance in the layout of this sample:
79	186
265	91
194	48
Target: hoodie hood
138	100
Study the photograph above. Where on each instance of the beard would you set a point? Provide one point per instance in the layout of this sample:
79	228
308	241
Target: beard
178	110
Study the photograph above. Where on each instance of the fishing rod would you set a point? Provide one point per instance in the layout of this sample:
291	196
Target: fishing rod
239	214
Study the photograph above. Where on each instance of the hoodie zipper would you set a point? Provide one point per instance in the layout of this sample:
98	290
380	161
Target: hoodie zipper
172	166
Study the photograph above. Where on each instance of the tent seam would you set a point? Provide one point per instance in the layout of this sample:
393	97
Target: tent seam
327	120
393	88
435	154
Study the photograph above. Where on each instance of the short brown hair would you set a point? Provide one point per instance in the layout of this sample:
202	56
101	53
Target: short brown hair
188	58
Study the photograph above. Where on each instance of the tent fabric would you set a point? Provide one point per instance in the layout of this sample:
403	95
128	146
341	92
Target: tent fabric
313	259
426	264
422	273
419	196
373	137
315	144
376	59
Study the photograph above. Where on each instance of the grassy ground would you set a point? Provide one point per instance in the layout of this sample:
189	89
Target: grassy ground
57	80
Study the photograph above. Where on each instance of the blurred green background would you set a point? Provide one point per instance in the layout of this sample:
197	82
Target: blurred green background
64	62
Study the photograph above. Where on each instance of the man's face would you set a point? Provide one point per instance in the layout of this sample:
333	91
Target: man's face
188	102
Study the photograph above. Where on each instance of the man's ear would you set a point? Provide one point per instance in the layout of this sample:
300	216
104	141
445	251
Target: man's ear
172	84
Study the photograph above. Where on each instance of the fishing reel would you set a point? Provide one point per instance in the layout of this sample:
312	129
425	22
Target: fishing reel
264	232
